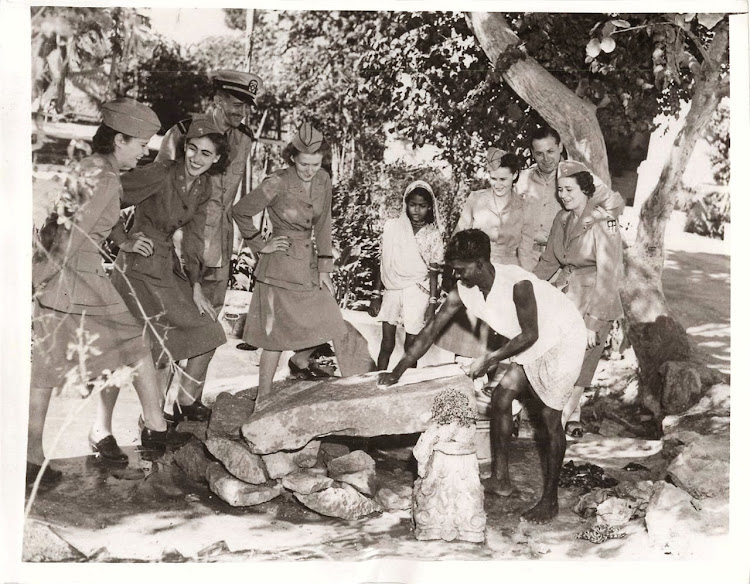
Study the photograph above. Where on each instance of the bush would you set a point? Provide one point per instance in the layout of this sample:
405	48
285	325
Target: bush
708	214
361	205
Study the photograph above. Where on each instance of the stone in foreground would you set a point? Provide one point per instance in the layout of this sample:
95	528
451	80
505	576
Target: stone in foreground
352	406
236	492
702	468
352	462
344	502
197	429
305	483
364	481
399	500
238	460
229	412
193	461
42	544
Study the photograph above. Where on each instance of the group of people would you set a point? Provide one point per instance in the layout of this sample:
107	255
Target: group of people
160	306
538	262
554	221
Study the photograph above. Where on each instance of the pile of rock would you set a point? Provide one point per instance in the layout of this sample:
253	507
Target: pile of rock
288	453
691	500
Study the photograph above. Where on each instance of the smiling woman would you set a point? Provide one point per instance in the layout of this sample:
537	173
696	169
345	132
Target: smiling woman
164	295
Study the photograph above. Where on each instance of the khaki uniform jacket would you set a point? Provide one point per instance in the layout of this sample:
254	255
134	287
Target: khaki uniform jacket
219	229
503	228
294	214
71	276
590	257
541	205
164	204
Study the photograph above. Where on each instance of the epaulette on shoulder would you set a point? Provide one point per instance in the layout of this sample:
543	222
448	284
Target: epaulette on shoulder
184	125
247	131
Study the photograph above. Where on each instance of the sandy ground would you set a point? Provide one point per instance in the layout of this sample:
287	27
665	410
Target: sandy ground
153	510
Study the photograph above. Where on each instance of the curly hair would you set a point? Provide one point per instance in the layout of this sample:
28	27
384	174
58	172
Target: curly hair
585	181
222	149
468	246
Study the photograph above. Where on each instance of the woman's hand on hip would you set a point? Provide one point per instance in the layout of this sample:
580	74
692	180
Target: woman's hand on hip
280	243
591	340
204	306
138	243
326	282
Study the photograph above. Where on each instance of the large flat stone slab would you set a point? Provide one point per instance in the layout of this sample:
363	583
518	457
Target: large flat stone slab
352	406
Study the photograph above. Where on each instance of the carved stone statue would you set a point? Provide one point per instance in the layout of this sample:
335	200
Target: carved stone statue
448	498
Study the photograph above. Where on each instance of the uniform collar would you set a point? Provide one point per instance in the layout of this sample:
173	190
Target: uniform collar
584	223
538	177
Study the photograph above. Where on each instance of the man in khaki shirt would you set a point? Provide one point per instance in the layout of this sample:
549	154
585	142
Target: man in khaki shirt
538	187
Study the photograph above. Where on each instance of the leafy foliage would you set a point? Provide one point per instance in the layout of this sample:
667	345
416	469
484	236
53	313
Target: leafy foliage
361	206
174	86
718	137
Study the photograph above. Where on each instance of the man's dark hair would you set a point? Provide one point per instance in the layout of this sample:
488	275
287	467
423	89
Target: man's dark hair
543	132
469	245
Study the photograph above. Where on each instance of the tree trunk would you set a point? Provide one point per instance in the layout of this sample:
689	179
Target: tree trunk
657	339
642	293
574	118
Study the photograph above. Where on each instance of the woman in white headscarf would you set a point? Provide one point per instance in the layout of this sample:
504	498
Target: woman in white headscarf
411	254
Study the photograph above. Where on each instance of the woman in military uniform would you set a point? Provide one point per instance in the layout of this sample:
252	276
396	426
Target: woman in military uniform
293	305
75	300
588	253
164	295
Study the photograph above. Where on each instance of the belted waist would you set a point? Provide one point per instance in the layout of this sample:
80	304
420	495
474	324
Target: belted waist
582	270
539	246
567	273
163	244
293	233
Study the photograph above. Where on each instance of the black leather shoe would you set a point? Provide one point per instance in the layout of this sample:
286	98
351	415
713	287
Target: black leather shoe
195	412
49	478
312	371
317	371
108	449
159	440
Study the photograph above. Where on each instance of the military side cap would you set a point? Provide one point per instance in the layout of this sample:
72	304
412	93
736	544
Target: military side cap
307	139
130	117
244	86
569	168
200	126
494	158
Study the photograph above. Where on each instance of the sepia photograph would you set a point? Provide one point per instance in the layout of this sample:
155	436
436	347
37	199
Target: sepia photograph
401	293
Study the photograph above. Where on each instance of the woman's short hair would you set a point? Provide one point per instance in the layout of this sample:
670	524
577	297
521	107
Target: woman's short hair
585	181
222	149
290	151
470	245
103	141
512	162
